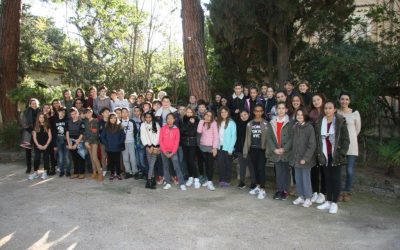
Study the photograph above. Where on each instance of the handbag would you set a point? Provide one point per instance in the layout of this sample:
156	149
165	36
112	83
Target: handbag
81	149
26	139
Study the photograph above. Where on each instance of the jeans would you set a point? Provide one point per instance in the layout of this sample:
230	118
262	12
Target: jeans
257	157
303	182
350	171
129	158
224	162
209	162
79	162
141	162
151	159
177	168
282	175
243	164
189	153
182	162
63	157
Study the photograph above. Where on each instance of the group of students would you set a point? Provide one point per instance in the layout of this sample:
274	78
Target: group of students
307	138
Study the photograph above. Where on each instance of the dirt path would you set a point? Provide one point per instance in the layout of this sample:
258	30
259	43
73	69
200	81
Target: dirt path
83	214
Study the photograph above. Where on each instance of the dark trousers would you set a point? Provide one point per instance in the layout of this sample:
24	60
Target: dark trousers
45	155
79	162
158	167
189	154
282	175
200	161
224	162
209	165
53	159
318	180
28	159
257	157
114	159
333	181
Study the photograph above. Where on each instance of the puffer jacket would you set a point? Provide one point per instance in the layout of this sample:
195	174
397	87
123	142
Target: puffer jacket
304	145
342	142
286	140
189	131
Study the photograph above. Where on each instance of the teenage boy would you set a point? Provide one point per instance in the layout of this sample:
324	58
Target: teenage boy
236	101
59	128
289	87
166	108
129	155
121	101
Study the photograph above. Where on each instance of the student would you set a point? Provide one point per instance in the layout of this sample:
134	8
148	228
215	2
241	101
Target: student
42	139
332	146
304	91
254	148
140	100
55	105
303	160
317	175
208	144
244	163
120	101
280	97
166	108
80	94
59	128
47	110
264	90
67	100
118	112
78	104
289	87
113	136
149	136
160	95
149	96
101	101
113	99
103	118
353	121
201	109
28	123
251	102
75	130
224	102
129	154
279	149
139	147
192	102
227	140
214	107
92	142
169	143
296	104
246	92
236	101
189	145
270	102
92	97
132	104
146	106
156	105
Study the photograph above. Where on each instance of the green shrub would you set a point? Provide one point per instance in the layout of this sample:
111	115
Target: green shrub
10	135
390	153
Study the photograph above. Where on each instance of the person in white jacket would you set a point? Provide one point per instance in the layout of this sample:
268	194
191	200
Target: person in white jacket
150	136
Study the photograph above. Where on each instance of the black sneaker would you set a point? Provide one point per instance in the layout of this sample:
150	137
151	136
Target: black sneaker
136	176
28	171
241	185
284	195
277	195
61	174
141	175
148	183
253	186
128	175
68	174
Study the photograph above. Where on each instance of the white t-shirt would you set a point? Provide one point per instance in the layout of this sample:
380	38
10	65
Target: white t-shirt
221	134
128	128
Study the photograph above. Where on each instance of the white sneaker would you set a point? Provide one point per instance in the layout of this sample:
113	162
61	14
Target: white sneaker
333	209
210	186
298	201
33	176
104	173
197	183
205	184
307	203
44	176
261	194
314	197
183	187
167	186
189	182
321	198
326	205
255	191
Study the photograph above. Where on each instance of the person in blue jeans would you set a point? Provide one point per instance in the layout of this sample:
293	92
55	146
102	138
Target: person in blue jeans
139	148
59	128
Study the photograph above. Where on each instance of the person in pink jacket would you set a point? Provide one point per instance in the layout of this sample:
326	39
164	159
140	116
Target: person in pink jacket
169	144
209	142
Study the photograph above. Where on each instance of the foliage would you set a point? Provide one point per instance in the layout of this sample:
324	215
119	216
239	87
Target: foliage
10	135
390	154
387	16
29	88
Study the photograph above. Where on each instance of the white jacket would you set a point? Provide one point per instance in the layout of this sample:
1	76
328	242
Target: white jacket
147	136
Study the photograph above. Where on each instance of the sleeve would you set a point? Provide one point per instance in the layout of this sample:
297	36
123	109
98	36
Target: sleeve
122	136
176	142
82	128
246	142
215	135
233	137
289	144
270	140
311	145
95	107
344	139
143	135
200	127
103	136
162	148
358	122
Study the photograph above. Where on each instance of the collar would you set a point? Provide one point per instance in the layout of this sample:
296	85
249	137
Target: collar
241	96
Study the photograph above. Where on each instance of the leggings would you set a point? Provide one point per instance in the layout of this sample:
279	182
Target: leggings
189	153
200	161
333	181
257	157
151	160
209	162
318	180
114	159
28	159
38	154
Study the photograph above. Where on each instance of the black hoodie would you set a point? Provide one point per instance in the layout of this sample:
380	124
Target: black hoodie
189	131
240	135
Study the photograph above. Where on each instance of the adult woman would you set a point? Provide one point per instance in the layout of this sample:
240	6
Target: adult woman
353	121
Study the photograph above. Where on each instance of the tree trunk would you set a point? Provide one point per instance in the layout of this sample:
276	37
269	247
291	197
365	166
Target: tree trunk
194	50
283	54
9	45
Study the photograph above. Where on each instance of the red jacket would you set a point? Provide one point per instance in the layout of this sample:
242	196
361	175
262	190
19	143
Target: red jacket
169	139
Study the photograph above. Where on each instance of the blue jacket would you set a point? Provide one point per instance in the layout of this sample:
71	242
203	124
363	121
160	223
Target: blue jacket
114	142
229	137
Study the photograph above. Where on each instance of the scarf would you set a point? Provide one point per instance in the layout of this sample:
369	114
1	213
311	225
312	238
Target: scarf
330	135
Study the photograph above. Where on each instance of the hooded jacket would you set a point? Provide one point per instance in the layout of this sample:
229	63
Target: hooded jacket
304	145
247	143
286	140
189	131
169	139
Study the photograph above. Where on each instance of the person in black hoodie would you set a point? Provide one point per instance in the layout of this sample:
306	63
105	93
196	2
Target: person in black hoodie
241	126
189	145
28	123
236	101
304	91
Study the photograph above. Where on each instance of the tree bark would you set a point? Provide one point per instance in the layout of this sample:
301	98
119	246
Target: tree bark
194	50
283	55
9	45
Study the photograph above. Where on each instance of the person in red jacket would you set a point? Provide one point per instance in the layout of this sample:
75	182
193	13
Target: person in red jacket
169	144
